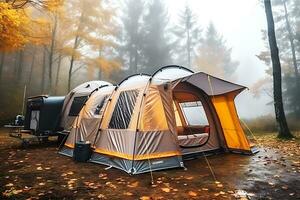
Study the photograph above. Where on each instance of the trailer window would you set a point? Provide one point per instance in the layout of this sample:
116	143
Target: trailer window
123	110
194	113
77	105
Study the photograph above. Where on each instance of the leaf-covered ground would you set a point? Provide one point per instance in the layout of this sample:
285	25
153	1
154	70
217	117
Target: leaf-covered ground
38	172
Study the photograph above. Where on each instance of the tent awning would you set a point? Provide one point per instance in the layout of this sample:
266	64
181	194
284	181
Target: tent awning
209	84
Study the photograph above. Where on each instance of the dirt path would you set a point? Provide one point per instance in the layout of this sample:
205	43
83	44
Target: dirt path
38	172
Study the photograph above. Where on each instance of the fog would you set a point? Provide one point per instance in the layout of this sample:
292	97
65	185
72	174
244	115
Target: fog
81	40
241	23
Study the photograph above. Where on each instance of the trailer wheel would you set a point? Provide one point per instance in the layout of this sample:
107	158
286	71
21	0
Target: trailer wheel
25	143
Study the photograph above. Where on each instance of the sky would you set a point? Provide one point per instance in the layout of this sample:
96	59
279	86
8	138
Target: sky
240	22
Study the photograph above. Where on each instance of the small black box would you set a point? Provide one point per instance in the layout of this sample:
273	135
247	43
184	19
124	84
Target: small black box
82	151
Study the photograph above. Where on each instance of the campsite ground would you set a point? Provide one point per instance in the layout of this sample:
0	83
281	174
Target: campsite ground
38	172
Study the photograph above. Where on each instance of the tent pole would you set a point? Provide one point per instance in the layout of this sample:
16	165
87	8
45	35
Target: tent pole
24	97
137	124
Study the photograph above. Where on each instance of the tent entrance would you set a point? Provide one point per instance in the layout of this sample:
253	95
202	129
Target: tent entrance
193	126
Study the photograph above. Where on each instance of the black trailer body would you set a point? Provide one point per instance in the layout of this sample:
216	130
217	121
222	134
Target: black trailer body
43	114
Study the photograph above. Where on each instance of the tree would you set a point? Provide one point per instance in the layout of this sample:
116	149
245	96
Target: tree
92	29
131	39
286	18
156	46
283	130
213	56
13	31
187	35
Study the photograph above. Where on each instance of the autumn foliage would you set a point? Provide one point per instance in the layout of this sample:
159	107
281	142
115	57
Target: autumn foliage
13	27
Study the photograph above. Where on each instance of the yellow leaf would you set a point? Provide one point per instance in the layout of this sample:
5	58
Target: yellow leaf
192	194
134	184
166	189
145	198
128	193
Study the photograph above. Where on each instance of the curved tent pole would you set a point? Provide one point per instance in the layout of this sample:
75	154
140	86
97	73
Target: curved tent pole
171	66
140	74
106	106
84	104
137	125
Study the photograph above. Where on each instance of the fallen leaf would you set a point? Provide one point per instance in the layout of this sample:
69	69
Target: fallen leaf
145	198
128	193
165	189
9	185
270	183
101	196
192	194
134	184
189	177
284	187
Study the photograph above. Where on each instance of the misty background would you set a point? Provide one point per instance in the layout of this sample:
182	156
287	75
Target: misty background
81	40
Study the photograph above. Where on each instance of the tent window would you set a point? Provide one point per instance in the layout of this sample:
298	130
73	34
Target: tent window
194	113
99	109
123	110
77	104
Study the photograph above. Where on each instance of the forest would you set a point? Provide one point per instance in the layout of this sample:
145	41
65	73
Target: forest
247	146
52	46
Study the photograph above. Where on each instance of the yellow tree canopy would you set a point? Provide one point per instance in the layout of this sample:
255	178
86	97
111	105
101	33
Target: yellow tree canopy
13	24
20	24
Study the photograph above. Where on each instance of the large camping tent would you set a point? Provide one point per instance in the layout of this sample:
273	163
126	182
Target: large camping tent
149	122
75	100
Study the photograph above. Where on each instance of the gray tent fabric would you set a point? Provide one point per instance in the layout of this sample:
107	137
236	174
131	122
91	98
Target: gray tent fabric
133	126
82	91
210	84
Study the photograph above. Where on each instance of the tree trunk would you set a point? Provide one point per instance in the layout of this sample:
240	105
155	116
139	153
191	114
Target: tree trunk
43	70
57	74
17	59
51	53
291	40
136	56
283	129
19	67
76	44
188	46
31	66
99	67
72	62
1	64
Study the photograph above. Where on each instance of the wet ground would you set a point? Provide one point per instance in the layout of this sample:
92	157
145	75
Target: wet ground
38	172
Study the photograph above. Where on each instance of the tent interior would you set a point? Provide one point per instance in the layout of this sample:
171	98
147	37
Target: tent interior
195	119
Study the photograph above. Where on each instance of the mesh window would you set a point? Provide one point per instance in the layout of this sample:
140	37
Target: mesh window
123	110
77	104
194	113
99	109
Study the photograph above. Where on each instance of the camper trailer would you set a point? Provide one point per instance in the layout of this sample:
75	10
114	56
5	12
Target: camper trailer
43	114
152	122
